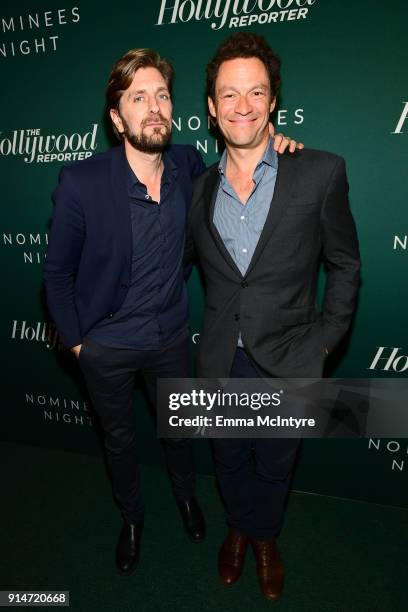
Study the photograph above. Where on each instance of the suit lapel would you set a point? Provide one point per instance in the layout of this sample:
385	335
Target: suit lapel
121	201
282	193
210	192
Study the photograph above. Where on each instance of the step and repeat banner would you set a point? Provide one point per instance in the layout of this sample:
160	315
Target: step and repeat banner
345	89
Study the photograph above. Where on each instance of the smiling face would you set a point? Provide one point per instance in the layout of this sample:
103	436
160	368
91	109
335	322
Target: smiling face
242	102
144	112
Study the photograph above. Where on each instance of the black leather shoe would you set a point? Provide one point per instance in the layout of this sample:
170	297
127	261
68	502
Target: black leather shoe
127	550
193	519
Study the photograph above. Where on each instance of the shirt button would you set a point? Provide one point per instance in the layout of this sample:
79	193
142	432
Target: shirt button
242	218
245	250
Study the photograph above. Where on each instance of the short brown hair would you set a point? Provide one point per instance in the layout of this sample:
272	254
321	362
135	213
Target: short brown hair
125	68
246	45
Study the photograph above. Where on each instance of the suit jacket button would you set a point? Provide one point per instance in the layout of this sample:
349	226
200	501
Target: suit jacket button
236	317
110	315
244	284
123	285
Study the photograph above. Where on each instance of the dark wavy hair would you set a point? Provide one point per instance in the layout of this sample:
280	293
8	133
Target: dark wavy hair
245	45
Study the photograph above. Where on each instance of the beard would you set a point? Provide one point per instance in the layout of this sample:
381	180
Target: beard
155	142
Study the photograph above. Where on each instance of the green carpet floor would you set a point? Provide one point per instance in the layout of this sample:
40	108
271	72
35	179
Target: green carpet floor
59	529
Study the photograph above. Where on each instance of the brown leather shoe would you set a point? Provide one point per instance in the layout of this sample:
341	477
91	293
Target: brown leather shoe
231	557
269	568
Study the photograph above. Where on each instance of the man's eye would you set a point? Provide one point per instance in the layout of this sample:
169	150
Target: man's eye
258	93
138	99
164	97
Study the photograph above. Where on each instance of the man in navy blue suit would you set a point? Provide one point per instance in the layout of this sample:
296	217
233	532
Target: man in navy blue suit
114	278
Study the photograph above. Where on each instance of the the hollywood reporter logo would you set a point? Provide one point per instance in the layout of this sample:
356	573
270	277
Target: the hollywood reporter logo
34	146
233	13
389	359
40	331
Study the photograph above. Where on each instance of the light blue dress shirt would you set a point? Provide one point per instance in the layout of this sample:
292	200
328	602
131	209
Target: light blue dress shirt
240	225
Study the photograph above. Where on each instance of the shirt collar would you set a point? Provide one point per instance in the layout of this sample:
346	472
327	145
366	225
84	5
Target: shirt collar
170	168
269	157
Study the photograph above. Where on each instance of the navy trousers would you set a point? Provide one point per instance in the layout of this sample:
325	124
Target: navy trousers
254	474
110	378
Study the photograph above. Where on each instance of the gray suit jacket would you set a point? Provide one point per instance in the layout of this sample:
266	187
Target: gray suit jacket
274	304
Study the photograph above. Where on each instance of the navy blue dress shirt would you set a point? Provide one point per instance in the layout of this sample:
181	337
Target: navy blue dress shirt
155	310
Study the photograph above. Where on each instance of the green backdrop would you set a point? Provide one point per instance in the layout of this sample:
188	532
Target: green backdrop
345	89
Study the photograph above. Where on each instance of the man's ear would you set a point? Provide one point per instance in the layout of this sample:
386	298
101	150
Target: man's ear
116	120
211	107
273	104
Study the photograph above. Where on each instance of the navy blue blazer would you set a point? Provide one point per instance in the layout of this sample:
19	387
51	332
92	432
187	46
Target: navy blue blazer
88	263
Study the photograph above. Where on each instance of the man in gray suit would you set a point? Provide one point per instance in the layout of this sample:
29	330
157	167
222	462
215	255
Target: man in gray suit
261	227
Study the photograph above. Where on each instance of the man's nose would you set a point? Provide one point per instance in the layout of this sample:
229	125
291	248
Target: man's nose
242	106
153	105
